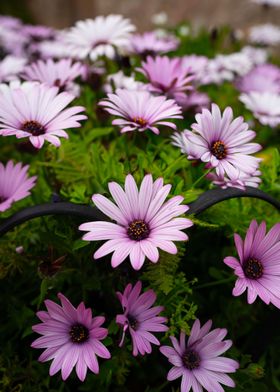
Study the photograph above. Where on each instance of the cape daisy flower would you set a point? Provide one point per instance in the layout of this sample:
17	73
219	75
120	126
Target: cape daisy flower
139	318
14	183
167	76
149	43
258	267
263	78
71	338
10	67
60	74
222	142
265	34
198	360
38	112
99	37
240	182
264	105
144	222
140	110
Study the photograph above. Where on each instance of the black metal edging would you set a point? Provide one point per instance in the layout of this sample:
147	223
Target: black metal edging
87	213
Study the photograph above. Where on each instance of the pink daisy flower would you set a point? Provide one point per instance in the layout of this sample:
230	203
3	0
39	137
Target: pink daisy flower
140	318
240	182
99	37
144	222
150	43
198	360
263	78
222	142
38	112
197	65
14	184
258	267
71	337
140	110
10	67
167	76
60	74
264	105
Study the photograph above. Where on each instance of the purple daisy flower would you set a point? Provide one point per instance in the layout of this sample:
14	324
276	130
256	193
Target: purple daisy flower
38	112
265	106
240	182
60	74
167	76
140	318
222	142
14	184
144	222
263	78
150	43
198	360
258	267
10	67
98	37
140	110
71	338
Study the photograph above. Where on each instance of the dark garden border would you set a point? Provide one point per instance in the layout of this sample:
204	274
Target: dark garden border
87	213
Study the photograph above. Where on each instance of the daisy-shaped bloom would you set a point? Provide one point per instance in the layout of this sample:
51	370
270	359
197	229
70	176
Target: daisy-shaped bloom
195	102
167	76
144	222
38	32
71	337
216	73
263	78
222	142
38	112
10	22
265	106
267	34
10	67
140	110
239	63
61	73
198	359
196	65
140	318
256	55
150	43
99	37
14	184
241	181
258	267
120	80
12	41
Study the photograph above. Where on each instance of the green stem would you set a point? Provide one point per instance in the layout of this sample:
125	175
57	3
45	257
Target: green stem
200	178
211	284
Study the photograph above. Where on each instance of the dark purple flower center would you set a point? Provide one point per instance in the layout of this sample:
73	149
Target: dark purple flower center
219	149
138	230
33	127
253	269
133	323
79	333
100	42
2	199
141	121
191	359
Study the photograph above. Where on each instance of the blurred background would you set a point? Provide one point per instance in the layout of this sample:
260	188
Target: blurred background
211	13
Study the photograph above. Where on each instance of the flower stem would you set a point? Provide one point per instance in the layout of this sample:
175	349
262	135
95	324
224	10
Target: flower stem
200	178
218	282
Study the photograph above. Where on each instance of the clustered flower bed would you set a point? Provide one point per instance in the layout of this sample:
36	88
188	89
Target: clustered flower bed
153	122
